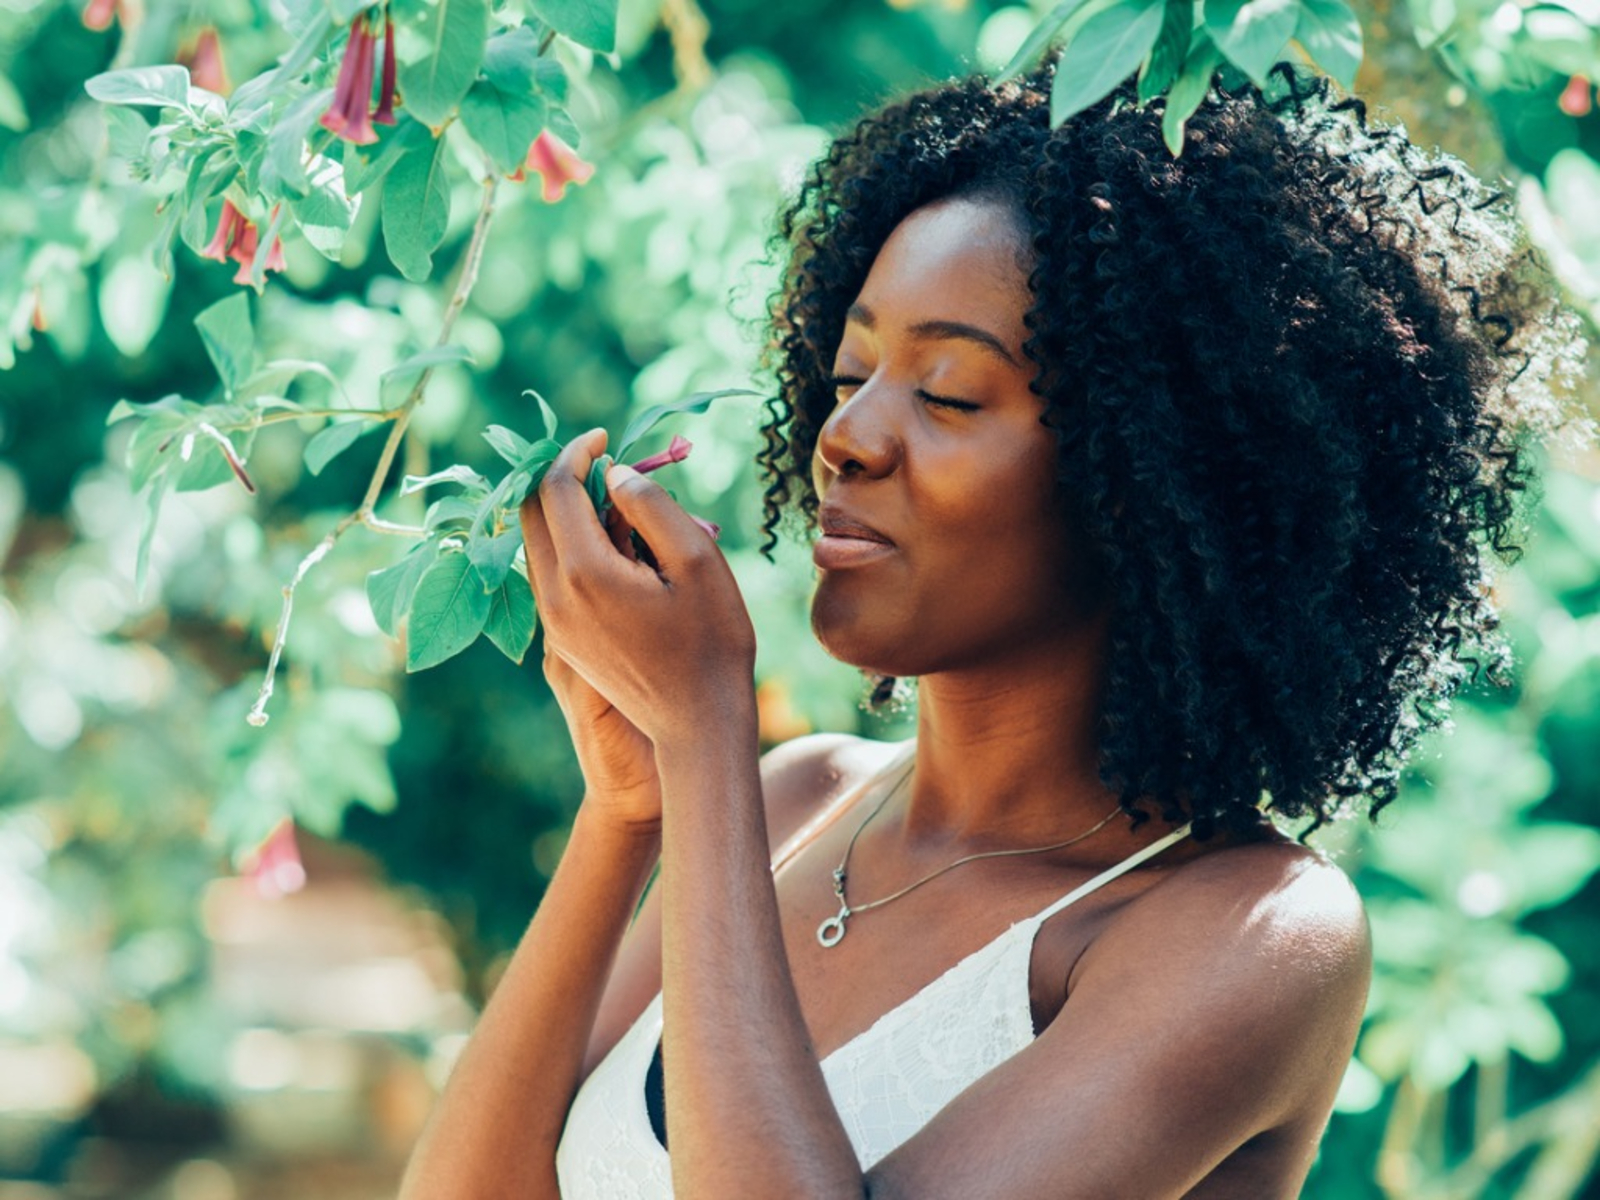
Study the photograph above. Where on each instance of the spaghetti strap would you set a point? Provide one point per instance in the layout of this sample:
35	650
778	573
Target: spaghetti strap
1106	876
803	836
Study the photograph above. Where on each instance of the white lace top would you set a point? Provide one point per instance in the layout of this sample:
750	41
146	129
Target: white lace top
887	1082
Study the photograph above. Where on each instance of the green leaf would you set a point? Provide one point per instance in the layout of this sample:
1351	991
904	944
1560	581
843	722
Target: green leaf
389	591
1188	91
13	113
1252	33
590	22
465	476
447	509
433	356
1108	49
325	213
598	495
416	210
1172	45
284	169
547	416
447	612
505	110
333	441
229	339
492	557
650	417
512	618
441	46
508	443
147	533
1331	34
1036	42
366	165
167	86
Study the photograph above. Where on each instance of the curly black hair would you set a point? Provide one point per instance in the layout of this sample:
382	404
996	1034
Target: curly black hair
1292	374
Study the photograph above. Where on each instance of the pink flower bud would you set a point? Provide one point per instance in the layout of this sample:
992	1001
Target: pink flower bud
558	164
229	226
1576	98
98	14
204	60
275	865
348	115
385	113
676	452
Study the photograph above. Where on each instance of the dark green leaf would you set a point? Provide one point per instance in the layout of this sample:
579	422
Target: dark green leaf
389	591
229	339
1108	49
447	612
512	618
598	494
416	209
166	86
1172	44
647	420
1188	91
440	53
1036	42
1252	33
448	509
505	110
333	441
591	22
492	557
1331	34
508	443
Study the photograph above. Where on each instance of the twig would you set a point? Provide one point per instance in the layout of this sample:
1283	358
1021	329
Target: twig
688	28
364	515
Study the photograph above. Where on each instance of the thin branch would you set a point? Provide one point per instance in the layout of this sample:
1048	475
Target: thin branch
306	414
364	515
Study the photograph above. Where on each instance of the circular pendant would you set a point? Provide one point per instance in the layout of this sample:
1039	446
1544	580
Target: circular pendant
831	931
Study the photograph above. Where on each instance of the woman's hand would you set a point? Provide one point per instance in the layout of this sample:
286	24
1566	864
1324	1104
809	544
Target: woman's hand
668	647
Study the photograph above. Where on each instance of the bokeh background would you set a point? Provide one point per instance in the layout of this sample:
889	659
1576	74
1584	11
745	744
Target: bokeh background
185	1017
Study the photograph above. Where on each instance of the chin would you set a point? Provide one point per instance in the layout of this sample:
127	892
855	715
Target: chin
871	642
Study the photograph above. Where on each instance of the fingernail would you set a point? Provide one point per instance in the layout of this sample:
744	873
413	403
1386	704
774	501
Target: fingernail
620	472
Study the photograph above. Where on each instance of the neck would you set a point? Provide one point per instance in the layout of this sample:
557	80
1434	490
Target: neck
1007	755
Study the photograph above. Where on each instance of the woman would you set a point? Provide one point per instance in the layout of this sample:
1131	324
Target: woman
1169	481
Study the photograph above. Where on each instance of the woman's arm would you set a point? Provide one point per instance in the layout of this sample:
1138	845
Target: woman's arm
495	1129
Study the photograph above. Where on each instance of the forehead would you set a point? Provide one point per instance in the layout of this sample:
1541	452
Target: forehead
953	260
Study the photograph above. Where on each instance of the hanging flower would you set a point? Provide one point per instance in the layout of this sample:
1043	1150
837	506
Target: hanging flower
204	60
558	164
275	865
98	14
39	323
1576	99
676	452
236	238
348	115
385	113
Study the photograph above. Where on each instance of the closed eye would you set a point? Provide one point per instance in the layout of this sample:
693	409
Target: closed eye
842	382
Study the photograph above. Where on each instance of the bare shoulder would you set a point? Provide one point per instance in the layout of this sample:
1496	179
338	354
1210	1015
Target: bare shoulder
803	777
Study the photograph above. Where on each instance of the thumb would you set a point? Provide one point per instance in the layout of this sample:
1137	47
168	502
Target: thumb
645	505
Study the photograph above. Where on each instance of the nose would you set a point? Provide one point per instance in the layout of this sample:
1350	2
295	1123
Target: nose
859	436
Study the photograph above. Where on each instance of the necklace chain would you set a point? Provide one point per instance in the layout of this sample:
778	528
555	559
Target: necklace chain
831	932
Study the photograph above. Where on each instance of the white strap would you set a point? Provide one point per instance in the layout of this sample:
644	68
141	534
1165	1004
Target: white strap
1122	868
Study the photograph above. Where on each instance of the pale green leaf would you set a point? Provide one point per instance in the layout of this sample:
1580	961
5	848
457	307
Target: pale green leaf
592	23
1252	33
1188	91
448	610
416	209
440	47
650	417
333	441
226	332
389	591
433	356
1107	50
1331	34
1039	40
167	86
508	443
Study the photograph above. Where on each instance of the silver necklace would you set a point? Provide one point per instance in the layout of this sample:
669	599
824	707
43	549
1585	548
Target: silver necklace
831	932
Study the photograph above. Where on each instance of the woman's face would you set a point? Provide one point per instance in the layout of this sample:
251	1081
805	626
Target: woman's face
935	457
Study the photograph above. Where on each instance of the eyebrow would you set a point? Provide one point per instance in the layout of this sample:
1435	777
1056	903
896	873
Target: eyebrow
938	330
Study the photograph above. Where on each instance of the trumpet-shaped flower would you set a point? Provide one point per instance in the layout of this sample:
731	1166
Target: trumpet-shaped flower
676	452
558	164
385	113
275	865
204	60
349	114
237	238
1577	97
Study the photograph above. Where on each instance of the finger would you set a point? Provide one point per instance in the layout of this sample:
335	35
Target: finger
671	533
574	527
537	546
621	534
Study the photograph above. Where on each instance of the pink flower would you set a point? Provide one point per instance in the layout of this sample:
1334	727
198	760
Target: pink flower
1575	97
385	113
229	228
236	238
204	60
275	865
558	164
676	452
98	14
348	115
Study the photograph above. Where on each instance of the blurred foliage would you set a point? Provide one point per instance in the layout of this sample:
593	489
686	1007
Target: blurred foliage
129	778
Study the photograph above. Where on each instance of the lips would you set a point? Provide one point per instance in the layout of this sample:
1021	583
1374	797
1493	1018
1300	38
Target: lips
835	523
847	542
